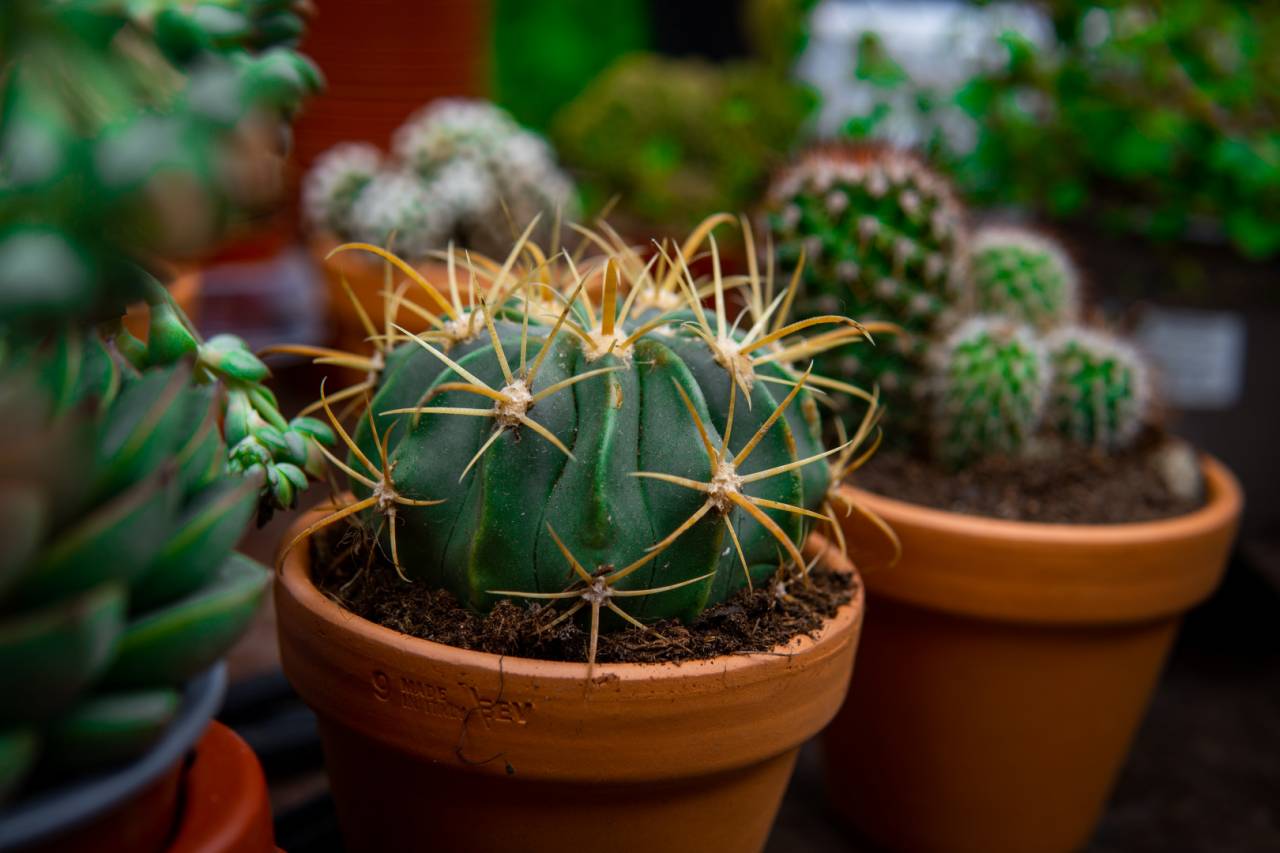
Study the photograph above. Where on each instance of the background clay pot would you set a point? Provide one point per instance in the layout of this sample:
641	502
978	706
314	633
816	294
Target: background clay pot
1006	667
428	745
225	808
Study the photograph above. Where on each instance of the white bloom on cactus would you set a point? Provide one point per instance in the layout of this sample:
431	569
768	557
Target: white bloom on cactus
333	183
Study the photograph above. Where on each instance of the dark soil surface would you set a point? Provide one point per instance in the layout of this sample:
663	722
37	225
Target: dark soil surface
751	621
1059	483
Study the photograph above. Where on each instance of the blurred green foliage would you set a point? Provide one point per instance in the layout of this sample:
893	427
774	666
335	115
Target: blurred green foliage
1161	119
546	51
679	139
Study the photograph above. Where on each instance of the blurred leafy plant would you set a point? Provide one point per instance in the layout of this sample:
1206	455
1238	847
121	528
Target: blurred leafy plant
1150	118
679	139
130	131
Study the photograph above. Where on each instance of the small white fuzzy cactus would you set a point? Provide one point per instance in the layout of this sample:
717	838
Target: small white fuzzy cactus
331	187
395	206
478	174
450	128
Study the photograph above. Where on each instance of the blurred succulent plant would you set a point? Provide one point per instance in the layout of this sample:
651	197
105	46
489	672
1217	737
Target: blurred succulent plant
127	134
132	129
461	171
667	456
679	139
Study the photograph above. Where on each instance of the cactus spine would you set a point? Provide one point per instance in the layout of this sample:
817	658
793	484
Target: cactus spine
1101	394
1024	276
659	459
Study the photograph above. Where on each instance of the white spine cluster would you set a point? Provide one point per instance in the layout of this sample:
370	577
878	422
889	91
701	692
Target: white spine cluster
335	180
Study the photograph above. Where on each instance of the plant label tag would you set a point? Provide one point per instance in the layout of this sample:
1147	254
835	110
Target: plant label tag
1198	355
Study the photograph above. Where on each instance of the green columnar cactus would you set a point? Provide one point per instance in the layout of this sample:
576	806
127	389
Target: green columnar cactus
881	238
991	378
1101	394
669	458
1024	276
461	170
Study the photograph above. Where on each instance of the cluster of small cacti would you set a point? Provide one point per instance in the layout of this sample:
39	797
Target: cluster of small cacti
140	146
989	352
658	456
460	171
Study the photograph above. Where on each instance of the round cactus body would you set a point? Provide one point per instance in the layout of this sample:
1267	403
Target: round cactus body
396	204
882	238
1101	394
1024	276
675	457
990	381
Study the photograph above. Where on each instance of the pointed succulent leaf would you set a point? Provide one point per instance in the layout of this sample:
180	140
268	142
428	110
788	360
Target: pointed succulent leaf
109	728
62	648
173	643
168	338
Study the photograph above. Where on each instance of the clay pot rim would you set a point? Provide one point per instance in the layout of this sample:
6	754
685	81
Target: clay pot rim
1224	500
294	575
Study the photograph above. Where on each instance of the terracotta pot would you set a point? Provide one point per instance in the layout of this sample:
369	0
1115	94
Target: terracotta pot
432	746
366	276
185	290
1006	668
225	804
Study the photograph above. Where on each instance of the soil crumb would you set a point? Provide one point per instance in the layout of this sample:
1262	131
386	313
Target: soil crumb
1057	483
772	615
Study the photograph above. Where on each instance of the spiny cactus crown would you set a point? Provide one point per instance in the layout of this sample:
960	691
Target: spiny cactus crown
991	378
1101	394
461	170
1024	276
882	238
540	437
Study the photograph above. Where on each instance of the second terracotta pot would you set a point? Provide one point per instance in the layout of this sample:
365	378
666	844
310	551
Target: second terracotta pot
434	747
1006	667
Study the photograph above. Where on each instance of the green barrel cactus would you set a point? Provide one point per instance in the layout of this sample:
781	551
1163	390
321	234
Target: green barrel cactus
881	237
1024	276
990	381
1101	395
599	452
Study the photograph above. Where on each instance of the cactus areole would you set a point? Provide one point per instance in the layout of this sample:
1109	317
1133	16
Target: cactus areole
599	453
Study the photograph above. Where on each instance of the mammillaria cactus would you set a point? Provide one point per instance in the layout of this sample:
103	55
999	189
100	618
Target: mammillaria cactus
990	381
1024	276
461	170
662	459
881	238
1101	393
